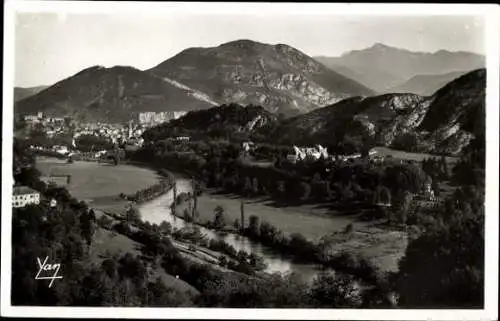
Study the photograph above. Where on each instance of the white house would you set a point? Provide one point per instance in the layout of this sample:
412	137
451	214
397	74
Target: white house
247	146
300	153
23	195
63	150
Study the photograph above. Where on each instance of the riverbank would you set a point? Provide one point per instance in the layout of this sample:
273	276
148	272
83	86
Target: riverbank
100	184
315	238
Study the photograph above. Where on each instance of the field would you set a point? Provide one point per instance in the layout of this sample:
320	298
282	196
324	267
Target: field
385	151
382	246
99	183
309	220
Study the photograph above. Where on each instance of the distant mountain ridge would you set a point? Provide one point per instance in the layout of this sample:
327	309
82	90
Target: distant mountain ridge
383	67
426	85
24	92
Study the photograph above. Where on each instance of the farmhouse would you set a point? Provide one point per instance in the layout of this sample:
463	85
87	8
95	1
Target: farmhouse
23	195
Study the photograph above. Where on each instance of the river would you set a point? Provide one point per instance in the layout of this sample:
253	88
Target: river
93	181
158	210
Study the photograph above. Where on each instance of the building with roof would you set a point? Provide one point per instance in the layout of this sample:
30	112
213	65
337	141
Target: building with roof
23	195
300	153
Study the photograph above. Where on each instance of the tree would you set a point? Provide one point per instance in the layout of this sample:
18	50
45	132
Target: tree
280	188
110	266
408	141
133	215
236	225
105	222
435	188
253	225
349	229
242	214
187	215
166	227
305	190
247	186
87	224
403	206
255	186
444	168
382	195
329	290
219	220
444	267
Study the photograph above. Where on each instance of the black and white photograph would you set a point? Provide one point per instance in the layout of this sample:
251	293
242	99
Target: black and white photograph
250	160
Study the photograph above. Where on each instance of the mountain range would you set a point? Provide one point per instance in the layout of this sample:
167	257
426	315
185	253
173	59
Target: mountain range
278	77
110	94
426	85
445	122
442	123
446	113
383	68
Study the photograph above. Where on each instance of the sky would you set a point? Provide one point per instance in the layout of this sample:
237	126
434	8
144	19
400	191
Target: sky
50	47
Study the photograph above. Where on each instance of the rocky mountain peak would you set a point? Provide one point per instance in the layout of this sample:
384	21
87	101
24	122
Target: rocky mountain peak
278	77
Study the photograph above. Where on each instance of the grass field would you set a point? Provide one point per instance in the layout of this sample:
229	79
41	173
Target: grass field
385	151
99	183
381	246
309	220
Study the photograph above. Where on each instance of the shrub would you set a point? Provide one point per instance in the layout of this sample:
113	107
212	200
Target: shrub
105	222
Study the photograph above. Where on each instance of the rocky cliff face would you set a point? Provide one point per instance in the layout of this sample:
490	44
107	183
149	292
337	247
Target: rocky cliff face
444	123
457	113
278	77
224	121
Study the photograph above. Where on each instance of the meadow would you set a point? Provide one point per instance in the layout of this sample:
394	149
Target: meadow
99	183
418	157
312	221
381	246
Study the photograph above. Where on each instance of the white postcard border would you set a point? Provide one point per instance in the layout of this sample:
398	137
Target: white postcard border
490	12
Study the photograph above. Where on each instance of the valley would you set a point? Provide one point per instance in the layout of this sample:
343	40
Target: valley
254	175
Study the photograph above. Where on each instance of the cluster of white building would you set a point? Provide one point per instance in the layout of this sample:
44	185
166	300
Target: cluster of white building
301	153
317	152
116	133
40	119
23	196
426	198
152	118
51	125
178	139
